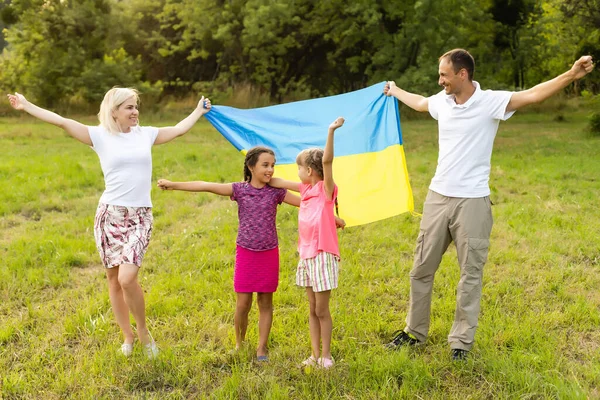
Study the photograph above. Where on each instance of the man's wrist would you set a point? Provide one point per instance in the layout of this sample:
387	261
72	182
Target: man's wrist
570	76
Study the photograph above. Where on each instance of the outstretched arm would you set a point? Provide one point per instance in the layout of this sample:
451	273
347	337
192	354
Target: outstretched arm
169	133
328	183
292	199
223	189
283	184
414	101
72	127
544	90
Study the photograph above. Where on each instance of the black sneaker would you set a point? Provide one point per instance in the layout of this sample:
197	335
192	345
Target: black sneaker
459	354
402	339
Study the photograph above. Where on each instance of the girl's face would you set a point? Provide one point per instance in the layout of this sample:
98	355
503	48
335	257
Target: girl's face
304	173
127	114
263	170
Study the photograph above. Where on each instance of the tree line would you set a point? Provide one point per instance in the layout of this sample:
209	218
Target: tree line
64	52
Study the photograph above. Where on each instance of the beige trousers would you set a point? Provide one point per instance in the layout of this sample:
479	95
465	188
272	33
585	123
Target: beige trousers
467	222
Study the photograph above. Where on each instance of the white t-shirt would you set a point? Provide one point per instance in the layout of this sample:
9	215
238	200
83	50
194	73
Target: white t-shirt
466	138
126	162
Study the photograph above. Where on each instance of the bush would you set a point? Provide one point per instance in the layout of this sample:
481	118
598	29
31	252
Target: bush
595	124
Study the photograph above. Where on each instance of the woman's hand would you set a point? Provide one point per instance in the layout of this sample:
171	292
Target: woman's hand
17	101
204	105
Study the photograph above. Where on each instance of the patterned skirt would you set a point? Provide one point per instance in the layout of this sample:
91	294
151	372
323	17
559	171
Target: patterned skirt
122	234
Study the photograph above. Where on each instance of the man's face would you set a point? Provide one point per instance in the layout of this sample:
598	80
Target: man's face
451	81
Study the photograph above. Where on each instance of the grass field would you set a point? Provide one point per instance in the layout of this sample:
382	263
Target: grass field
539	331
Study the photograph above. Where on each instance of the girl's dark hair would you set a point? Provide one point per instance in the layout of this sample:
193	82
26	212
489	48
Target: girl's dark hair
313	159
252	158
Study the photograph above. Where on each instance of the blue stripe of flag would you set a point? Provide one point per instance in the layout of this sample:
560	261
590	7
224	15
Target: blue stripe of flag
372	124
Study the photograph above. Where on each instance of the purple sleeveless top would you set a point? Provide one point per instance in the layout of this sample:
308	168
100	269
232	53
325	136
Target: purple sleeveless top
257	211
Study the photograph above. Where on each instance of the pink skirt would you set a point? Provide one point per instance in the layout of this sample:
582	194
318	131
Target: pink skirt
256	271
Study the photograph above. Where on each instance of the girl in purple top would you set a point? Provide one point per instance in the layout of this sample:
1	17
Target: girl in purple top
257	252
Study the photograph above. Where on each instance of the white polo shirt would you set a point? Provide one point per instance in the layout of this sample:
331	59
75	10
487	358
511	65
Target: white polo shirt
466	139
126	161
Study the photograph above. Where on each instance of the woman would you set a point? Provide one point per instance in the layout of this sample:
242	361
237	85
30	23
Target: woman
123	222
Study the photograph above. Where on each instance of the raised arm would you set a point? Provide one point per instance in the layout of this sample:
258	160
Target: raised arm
283	184
223	189
414	101
544	90
72	127
169	133
328	182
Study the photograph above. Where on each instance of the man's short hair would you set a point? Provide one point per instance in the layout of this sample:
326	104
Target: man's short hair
460	59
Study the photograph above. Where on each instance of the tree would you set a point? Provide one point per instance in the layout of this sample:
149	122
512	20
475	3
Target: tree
584	18
58	49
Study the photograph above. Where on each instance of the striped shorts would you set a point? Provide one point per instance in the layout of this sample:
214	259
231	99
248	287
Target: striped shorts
320	273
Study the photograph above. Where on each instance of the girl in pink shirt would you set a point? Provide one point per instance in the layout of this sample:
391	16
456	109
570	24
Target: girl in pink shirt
318	243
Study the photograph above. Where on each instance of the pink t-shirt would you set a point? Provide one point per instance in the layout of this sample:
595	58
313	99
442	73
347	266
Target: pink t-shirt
316	223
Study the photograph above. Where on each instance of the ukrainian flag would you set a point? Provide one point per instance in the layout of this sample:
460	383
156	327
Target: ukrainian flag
369	165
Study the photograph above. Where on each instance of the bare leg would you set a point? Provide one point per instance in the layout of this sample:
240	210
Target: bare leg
265	320
240	320
134	297
325	321
313	324
117	301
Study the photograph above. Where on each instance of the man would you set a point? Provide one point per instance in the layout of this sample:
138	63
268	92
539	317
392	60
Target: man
458	207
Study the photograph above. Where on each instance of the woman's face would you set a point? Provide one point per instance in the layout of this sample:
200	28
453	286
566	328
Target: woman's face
127	114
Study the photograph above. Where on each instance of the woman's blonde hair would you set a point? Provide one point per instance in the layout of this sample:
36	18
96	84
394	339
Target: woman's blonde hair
112	101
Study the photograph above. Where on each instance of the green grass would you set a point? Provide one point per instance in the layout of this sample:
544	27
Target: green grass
539	331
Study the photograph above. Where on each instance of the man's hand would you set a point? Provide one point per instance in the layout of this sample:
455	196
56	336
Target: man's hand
388	88
582	67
